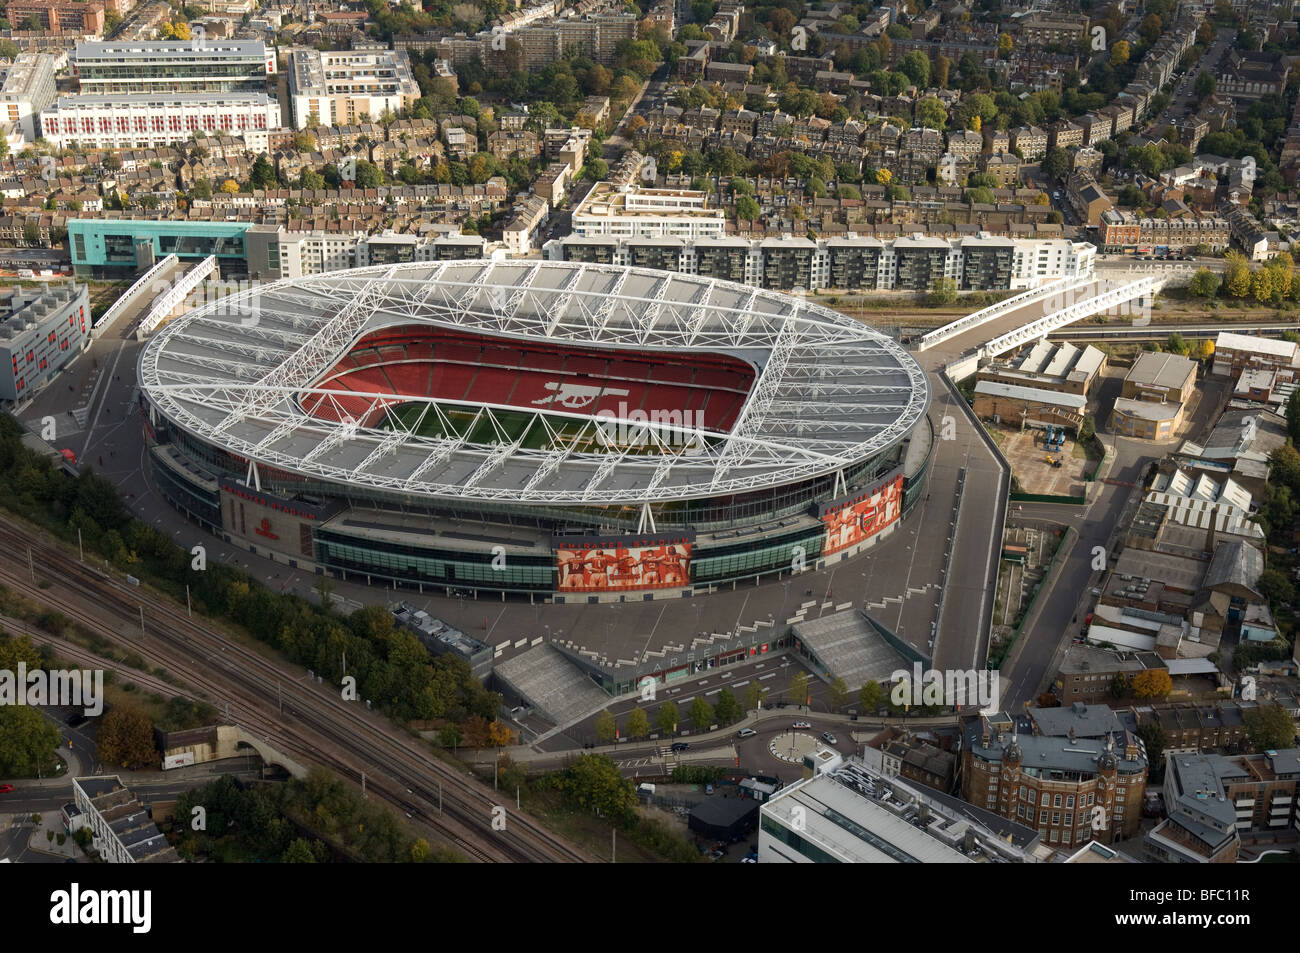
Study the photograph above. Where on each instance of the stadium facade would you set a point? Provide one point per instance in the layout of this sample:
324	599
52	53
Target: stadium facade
564	431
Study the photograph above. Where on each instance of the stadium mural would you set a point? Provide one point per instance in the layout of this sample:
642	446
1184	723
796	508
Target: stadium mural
855	519
623	563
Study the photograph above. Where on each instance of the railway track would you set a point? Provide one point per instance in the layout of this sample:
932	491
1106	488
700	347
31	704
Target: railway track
317	725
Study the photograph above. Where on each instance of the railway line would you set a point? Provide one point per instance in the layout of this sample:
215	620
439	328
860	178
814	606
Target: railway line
316	725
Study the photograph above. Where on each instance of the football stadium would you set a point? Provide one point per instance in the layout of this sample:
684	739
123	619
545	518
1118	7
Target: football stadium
556	430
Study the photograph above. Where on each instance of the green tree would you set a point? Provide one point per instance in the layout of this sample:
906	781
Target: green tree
870	696
701	713
27	740
606	728
931	114
1155	741
1274	586
916	66
1204	85
1269	727
755	694
668	718
1119	686
1204	284
592	783
836	694
1293	416
943	291
638	725
262	175
299	852
798	690
1176	344
1056	163
727	710
747	209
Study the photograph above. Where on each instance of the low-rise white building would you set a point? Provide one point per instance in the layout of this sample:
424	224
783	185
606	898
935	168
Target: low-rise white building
634	212
28	88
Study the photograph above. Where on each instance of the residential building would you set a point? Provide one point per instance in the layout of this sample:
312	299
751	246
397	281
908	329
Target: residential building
41	329
121	830
349	86
58	17
28	88
140	121
1200	826
520	232
1235	353
636	212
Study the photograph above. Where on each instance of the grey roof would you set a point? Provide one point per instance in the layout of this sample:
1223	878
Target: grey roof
1088	721
1197	789
1158	369
1235	563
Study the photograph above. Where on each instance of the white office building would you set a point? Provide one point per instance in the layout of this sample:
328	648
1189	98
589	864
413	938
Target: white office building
144	122
850	813
28	88
173	66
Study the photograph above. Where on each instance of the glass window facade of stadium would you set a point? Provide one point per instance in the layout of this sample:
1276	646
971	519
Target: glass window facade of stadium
426	565
188	497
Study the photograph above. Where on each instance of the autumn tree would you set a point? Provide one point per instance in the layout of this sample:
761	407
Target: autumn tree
1152	683
499	734
1236	276
125	739
1119	53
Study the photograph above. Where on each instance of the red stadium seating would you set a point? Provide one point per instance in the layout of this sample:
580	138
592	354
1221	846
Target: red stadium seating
438	364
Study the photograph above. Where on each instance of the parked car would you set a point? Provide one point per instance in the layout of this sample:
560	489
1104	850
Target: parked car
708	789
6	788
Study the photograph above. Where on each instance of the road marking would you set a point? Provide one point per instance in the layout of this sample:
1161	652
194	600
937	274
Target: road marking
768	675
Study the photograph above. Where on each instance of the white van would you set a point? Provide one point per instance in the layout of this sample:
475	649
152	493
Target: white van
645	788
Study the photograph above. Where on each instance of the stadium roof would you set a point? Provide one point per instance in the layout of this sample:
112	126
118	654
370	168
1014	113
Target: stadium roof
830	392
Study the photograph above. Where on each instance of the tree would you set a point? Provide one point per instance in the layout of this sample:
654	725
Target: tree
727	710
1119	686
1155	741
1152	683
836	694
594	784
668	718
884	176
1236	276
701	713
499	734
870	696
262	175
606	728
931	114
943	291
1261	285
638	725
798	690
1204	86
230	187
916	66
1274	586
747	209
1151	28
1005	45
27	739
1056	163
126	739
755	695
1204	284
1176	344
299	852
1119	53
1293	416
1269	727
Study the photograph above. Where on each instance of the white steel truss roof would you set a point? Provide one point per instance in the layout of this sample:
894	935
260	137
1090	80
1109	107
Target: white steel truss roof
830	391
